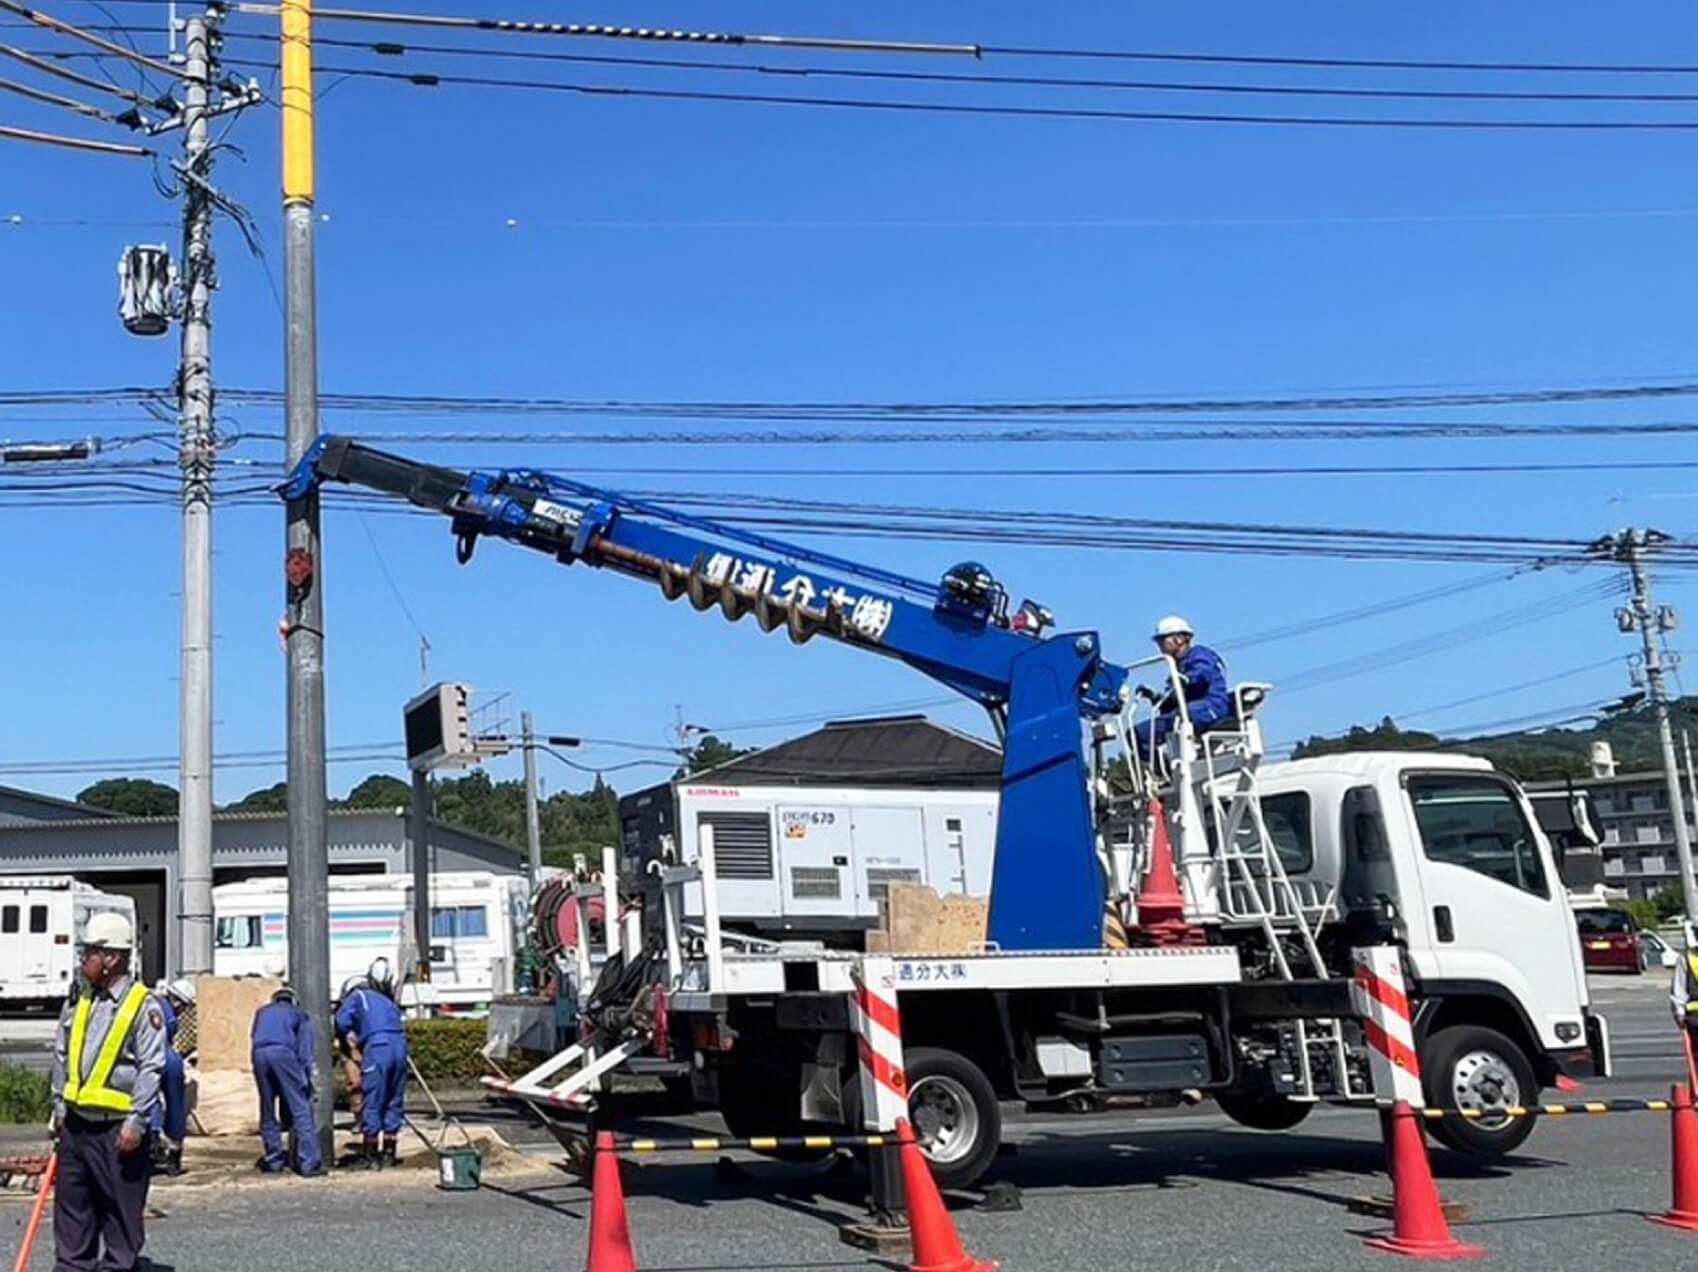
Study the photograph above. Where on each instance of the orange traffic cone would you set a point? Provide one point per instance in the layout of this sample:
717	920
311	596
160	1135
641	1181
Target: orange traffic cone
937	1247
610	1232
1161	906
1419	1229
1683	1133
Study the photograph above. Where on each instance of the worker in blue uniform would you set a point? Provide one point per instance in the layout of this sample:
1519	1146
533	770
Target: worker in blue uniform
171	1113
369	1017
283	1070
1202	675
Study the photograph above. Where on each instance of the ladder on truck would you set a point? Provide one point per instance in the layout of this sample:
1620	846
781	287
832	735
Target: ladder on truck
1212	775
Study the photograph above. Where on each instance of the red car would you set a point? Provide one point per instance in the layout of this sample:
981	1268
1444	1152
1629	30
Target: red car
1609	940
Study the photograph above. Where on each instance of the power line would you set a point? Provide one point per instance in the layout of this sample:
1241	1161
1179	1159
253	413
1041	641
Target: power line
434	80
117	50
393	49
55	99
74	143
1270	635
40	63
1679	386
1507	689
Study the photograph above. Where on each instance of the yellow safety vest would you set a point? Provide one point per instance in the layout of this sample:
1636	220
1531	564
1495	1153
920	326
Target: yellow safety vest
94	1093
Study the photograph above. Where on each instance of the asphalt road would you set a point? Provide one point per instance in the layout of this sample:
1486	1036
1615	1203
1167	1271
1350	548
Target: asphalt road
1181	1189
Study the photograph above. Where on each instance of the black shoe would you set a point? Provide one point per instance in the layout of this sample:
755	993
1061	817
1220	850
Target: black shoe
318	1173
266	1168
371	1157
174	1162
389	1155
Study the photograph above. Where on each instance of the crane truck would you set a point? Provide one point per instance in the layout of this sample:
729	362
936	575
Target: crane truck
1088	986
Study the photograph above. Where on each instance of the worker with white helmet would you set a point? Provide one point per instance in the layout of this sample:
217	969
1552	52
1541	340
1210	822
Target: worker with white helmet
370	1018
349	1052
282	1053
108	1063
1202	676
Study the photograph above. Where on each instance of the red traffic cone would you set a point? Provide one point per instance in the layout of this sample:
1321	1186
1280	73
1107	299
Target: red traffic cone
610	1232
1161	906
1683	1134
937	1247
1419	1229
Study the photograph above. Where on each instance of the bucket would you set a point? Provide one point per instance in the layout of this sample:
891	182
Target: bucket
459	1169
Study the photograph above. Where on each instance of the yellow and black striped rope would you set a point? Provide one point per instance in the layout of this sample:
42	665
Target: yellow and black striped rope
756	1143
1626	1105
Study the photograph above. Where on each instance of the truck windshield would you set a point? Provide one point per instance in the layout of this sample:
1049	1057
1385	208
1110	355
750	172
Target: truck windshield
1476	823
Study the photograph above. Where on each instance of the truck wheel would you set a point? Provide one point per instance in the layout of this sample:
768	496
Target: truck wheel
1470	1067
1262	1112
752	1104
955	1115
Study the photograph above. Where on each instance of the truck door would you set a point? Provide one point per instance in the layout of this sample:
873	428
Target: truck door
890	847
1494	909
816	847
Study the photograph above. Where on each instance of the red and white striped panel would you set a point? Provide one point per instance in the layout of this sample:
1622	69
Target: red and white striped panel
1378	994
878	1027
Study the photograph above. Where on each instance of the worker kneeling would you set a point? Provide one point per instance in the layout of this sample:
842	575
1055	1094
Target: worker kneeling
1202	676
371	1019
283	1065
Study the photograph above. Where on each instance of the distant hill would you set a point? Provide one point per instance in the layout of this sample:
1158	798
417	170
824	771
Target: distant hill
1531	755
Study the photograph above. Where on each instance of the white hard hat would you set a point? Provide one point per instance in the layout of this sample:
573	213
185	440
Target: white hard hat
1173	625
182	989
109	931
350	985
378	973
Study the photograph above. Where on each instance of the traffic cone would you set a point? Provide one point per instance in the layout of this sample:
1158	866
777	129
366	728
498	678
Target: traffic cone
1161	906
937	1247
1683	1134
1419	1229
610	1232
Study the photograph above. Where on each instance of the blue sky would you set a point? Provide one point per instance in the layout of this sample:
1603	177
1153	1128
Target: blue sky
698	250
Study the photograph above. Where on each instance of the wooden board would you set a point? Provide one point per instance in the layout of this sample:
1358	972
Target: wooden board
915	920
224	1018
226	1103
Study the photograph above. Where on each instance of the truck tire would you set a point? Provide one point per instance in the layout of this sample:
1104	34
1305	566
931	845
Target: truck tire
955	1114
1472	1067
1263	1112
750	1097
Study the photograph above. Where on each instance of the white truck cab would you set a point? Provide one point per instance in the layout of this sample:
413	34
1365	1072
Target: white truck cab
1442	855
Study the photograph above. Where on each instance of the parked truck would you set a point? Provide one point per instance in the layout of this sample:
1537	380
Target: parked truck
1096	979
476	921
41	919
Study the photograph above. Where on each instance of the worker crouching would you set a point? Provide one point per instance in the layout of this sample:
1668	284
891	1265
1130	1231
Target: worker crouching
370	1019
283	1071
108	1064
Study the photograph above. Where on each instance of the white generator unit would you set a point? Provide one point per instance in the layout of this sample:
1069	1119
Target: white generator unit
476	920
41	920
818	860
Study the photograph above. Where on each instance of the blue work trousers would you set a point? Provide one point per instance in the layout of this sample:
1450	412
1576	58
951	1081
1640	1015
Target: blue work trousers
283	1089
383	1077
171	1113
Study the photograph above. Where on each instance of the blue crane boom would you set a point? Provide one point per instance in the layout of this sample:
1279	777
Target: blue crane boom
1047	889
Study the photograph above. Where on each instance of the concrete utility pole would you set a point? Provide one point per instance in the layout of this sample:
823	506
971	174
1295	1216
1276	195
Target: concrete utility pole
195	426
309	853
419	829
533	823
1630	548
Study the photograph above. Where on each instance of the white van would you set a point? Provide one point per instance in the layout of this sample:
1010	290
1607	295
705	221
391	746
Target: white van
41	919
476	932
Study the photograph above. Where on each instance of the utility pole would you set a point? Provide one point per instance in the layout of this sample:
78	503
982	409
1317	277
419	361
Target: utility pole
195	427
419	824
533	823
308	843
1630	548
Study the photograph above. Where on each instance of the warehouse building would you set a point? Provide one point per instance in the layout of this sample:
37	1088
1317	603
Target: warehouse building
137	856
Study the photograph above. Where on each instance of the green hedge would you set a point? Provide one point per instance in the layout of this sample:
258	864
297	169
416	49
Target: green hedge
25	1096
448	1050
